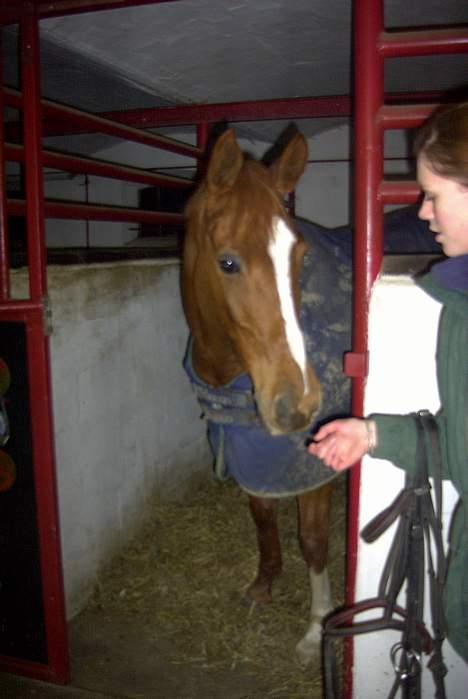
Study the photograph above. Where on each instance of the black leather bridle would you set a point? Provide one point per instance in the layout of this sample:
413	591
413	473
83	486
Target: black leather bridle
418	535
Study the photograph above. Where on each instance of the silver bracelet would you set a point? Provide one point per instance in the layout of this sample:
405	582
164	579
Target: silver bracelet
371	429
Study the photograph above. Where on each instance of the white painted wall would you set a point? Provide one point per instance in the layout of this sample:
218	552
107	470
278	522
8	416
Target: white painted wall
402	379
94	190
127	426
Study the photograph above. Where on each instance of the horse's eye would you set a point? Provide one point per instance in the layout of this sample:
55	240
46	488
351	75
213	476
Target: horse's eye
229	264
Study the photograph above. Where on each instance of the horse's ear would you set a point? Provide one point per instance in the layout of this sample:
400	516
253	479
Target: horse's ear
225	162
291	164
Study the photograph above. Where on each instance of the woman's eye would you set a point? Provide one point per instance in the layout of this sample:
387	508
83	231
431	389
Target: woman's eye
229	264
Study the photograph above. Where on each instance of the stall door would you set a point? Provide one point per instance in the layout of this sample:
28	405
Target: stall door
33	639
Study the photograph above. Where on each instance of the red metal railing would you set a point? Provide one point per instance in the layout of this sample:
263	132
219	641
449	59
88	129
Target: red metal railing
372	45
32	312
78	121
11	11
82	121
31	315
4	252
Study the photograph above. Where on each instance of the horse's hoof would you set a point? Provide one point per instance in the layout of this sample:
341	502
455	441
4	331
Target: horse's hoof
308	650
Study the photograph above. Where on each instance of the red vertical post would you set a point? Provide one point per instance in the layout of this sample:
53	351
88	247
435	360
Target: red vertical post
39	360
368	238
203	134
4	251
32	129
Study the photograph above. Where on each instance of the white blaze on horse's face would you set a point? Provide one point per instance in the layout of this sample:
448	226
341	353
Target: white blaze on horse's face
280	249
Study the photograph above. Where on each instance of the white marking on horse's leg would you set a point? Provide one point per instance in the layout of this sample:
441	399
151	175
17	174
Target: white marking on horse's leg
279	248
308	647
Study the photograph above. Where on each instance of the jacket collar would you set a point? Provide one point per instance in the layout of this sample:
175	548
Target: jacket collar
452	273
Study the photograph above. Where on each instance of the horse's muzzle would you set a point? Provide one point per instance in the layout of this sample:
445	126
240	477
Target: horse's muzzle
289	416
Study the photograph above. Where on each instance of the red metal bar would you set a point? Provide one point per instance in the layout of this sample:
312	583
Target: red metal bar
19	310
425	42
259	110
29	39
96	212
404	116
38	363
4	255
368	241
11	11
399	192
129	133
104	213
84	121
100	168
27	668
58	666
264	110
203	134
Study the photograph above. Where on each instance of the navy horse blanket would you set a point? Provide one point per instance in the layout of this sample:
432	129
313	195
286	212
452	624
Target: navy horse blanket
280	466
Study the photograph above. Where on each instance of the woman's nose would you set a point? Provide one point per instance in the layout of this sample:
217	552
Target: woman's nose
425	211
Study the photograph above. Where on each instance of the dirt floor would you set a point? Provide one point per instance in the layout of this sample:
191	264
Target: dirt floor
168	619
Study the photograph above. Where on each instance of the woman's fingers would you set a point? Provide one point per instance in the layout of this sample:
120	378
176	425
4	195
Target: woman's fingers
340	443
326	430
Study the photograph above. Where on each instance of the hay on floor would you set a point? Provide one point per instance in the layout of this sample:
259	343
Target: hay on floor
185	574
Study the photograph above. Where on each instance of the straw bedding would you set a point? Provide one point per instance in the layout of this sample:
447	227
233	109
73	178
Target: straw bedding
185	574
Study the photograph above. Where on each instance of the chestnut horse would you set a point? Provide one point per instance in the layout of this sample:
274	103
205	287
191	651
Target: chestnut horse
253	279
240	284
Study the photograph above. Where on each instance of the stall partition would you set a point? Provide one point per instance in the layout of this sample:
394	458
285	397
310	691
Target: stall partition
373	115
33	630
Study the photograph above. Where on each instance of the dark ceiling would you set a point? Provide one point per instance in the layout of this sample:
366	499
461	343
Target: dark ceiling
206	51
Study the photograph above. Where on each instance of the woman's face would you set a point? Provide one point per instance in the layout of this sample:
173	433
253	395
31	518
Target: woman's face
445	208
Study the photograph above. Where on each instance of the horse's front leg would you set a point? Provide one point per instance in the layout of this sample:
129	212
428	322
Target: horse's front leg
314	518
265	515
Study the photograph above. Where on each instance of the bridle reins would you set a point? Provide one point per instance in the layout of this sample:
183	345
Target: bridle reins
418	534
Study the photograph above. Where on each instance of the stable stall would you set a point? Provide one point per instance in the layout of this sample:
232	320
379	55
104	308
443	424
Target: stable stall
49	312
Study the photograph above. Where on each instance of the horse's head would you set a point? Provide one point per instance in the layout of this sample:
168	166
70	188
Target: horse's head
240	282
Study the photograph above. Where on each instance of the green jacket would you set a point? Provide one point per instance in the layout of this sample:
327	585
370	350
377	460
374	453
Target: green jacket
397	439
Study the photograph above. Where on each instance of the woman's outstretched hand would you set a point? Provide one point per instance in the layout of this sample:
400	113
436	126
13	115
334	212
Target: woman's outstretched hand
341	443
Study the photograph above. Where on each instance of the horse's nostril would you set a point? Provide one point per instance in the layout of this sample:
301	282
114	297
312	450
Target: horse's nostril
282	407
286	413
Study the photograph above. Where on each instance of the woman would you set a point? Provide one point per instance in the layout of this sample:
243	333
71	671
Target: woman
441	149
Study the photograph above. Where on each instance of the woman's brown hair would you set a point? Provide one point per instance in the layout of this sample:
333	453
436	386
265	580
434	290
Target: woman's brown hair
443	141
